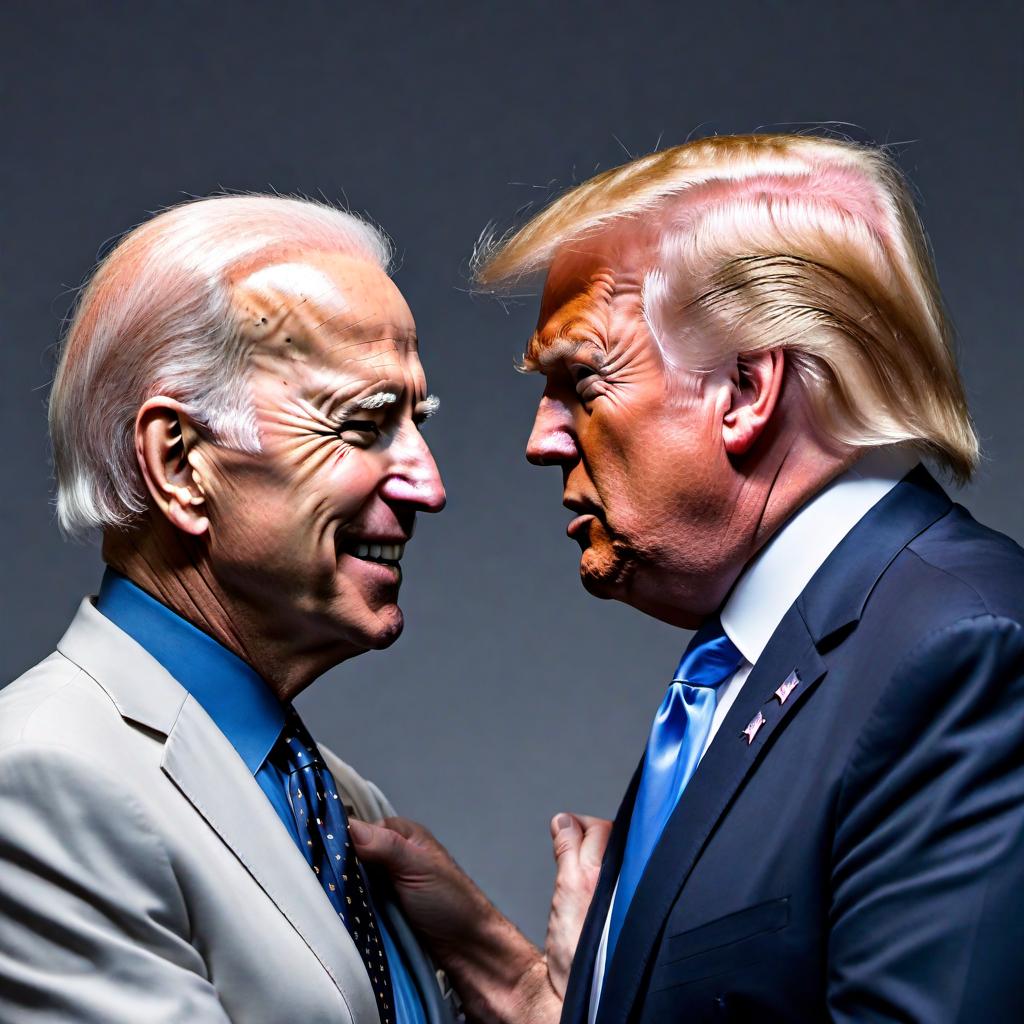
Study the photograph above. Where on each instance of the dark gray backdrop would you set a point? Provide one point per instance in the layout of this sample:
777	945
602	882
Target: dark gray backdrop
512	693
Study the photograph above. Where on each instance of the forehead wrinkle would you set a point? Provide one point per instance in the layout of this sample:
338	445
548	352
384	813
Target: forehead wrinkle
388	334
318	323
344	330
365	370
334	316
312	314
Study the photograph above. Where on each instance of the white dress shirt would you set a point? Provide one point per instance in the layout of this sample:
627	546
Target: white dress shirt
775	578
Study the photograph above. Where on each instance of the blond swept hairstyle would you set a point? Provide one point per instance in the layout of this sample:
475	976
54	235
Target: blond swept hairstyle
156	318
802	243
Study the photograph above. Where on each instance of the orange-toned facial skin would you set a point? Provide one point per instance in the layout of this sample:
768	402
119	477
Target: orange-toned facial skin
666	515
271	571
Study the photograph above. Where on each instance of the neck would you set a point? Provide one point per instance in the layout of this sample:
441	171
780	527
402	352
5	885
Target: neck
795	462
801	472
175	570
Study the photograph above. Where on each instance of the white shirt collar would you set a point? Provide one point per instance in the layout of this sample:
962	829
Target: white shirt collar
775	578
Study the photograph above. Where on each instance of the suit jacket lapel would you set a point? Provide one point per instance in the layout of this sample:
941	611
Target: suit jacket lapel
207	770
211	775
831	602
576	1004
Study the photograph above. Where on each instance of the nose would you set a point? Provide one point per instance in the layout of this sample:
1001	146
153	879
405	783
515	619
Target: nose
414	480
552	441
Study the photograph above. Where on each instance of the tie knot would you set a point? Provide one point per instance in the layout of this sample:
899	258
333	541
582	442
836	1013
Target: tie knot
295	748
710	658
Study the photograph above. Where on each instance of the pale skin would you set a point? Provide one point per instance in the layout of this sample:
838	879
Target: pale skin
676	480
259	550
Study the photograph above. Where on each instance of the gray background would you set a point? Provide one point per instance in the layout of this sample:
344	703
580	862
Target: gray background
512	694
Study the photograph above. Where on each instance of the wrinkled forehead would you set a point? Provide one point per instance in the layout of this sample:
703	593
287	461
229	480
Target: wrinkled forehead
587	282
327	310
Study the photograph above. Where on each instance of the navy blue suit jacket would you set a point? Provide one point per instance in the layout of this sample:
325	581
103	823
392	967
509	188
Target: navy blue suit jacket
863	858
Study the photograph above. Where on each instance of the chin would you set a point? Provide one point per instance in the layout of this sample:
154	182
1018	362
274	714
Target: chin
386	629
601	574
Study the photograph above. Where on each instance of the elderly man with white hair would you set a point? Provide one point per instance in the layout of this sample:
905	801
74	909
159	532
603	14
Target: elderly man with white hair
237	409
745	356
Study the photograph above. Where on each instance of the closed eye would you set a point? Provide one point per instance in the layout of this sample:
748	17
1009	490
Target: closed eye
587	380
361	433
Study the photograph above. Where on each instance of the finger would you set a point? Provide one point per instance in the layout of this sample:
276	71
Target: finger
589	820
566	836
595	838
407	828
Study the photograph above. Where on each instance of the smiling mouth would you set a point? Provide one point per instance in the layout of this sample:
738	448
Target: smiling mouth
386	554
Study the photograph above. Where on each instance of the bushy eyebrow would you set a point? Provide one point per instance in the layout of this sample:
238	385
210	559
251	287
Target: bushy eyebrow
543	355
424	409
377	400
428	407
328	406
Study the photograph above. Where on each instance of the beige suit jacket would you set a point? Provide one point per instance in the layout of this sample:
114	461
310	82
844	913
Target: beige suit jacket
144	876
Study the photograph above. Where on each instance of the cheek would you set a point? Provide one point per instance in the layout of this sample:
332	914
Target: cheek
276	511
660	473
328	478
345	485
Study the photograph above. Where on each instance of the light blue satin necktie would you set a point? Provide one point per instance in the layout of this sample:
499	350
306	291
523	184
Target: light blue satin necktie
677	739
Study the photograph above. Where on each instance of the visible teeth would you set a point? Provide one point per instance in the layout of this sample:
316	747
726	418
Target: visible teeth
380	552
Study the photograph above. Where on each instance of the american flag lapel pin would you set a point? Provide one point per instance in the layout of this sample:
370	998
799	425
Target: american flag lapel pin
752	728
787	687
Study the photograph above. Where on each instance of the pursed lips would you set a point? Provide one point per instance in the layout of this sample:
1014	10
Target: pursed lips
586	511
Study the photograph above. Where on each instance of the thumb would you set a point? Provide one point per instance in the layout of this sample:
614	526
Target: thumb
377	844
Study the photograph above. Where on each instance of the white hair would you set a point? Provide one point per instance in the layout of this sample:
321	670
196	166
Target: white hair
156	318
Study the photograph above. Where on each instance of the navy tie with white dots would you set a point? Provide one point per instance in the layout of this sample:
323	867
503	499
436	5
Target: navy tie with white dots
323	830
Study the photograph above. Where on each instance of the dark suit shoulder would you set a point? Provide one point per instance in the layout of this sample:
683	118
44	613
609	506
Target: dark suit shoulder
939	647
943	623
969	568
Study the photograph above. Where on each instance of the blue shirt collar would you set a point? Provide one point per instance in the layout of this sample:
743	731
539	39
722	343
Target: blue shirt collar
238	700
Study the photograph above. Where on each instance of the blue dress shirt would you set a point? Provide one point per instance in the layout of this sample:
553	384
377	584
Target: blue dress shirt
245	710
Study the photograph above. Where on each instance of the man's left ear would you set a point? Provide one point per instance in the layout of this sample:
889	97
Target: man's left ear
756	386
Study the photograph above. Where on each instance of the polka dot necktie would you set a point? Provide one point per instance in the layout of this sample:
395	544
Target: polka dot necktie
323	832
674	747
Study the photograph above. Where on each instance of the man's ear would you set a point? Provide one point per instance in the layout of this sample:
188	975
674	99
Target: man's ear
164	436
756	385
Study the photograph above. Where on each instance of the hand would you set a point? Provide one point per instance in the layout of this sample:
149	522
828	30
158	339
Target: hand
579	843
499	974
441	902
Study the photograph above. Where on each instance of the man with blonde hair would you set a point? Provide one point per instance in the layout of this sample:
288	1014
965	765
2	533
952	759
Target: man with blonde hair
745	357
237	409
